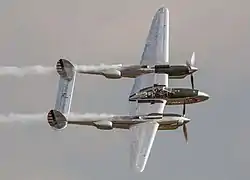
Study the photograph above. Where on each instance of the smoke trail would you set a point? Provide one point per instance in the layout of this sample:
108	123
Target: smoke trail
87	68
13	117
46	70
26	70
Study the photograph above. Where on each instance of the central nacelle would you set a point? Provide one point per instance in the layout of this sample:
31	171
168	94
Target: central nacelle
152	116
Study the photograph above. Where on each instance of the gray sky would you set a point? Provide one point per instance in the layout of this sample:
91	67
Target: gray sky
114	31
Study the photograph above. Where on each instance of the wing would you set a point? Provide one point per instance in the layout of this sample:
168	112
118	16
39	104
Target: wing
142	143
155	52
143	134
156	48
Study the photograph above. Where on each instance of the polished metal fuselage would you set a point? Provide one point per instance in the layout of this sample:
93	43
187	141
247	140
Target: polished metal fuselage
174	96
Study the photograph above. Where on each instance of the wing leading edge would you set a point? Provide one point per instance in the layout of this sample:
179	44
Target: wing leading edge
156	51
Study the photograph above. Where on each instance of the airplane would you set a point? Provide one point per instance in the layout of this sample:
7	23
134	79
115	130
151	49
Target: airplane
117	71
144	120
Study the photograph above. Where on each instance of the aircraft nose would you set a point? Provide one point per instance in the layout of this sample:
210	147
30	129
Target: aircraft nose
203	94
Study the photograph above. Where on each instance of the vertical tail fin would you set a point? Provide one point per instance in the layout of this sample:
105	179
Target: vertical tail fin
66	84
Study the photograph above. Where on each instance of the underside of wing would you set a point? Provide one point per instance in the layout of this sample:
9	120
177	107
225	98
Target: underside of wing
156	51
143	136
146	107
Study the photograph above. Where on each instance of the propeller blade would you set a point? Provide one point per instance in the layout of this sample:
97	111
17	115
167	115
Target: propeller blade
188	65
184	110
192	81
185	132
193	59
191	63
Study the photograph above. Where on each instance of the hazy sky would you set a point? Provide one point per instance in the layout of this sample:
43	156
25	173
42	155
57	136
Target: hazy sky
113	31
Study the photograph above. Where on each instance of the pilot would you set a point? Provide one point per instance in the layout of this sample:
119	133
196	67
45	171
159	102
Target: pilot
153	92
149	94
158	93
161	93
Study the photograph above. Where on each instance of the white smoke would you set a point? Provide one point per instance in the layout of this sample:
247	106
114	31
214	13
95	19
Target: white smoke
87	68
26	70
46	70
13	117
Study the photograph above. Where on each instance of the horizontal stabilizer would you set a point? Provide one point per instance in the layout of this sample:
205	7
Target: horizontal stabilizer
57	120
67	73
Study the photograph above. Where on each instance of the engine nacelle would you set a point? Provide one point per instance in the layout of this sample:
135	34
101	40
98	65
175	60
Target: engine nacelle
57	120
152	116
104	125
112	74
162	68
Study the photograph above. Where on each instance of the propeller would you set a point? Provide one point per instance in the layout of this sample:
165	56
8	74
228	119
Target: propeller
184	109
184	126
185	132
191	68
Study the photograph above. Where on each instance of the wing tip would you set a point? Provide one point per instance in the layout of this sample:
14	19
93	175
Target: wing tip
138	168
163	9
